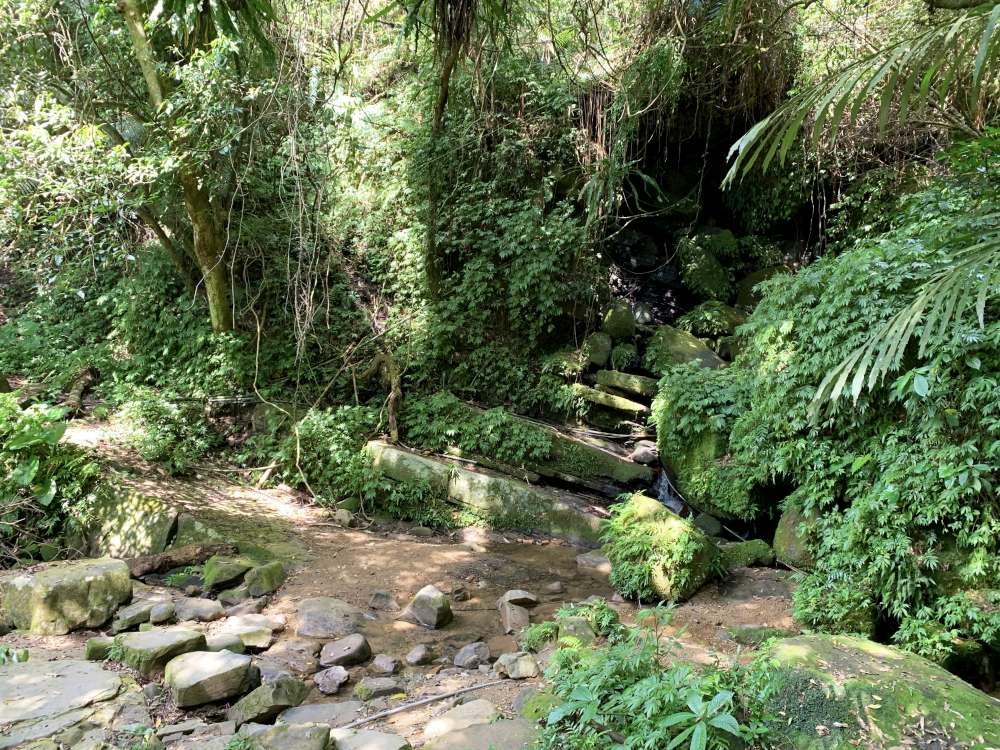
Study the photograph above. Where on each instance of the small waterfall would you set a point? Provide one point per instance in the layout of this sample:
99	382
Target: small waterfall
663	490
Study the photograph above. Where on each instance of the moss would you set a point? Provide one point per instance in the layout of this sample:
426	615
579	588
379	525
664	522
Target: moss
619	322
747	554
711	320
672	346
791	539
597	348
756	635
701	270
623	381
540	705
656	555
865	694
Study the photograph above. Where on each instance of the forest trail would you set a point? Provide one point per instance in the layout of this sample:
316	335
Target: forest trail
471	564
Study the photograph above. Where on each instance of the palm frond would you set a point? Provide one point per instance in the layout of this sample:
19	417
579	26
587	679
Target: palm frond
959	54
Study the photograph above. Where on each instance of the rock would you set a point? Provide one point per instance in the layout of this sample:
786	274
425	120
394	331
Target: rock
291	737
384	664
672	346
234	596
326	617
132	615
256	631
709	524
645	452
513	619
152	691
149	652
633	385
430	608
621	407
597	348
519	665
472	655
225	642
376	687
36	703
791	540
519	597
125	524
462	716
747	554
578	629
264	703
509	734
330	714
329	681
192	531
198	610
161	612
248	606
383	600
843	691
594	562
419	655
204	677
272	671
59	597
265	579
346	652
97	648
366	739
344	517
557	587
619	322
300	655
220	572
755	635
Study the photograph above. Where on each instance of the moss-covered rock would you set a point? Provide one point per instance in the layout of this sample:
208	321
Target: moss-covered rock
619	321
843	691
747	295
597	348
756	635
712	320
791	539
655	554
265	579
127	524
701	270
220	572
755	552
622	381
672	346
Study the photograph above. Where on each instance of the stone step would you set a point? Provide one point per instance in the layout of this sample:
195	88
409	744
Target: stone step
637	385
505	501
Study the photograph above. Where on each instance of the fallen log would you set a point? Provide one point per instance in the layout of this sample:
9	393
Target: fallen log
74	396
192	554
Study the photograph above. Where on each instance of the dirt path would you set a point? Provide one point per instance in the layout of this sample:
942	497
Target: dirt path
352	564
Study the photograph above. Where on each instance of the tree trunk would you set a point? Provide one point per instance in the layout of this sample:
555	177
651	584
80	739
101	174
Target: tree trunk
209	250
5	385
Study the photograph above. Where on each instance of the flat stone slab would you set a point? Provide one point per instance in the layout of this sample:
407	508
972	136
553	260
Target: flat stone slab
366	739
509	734
326	617
205	677
460	717
331	714
377	687
34	690
256	631
289	737
125	524
148	652
198	610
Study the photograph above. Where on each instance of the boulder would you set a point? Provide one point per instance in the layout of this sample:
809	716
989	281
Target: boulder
162	612
619	321
346	652
330	681
645	452
377	687
577	629
149	652
843	691
264	703
220	572
265	579
256	631
623	407
59	597
509	734
98	648
418	655
461	716
672	346
384	664
299	655
132	615
755	552
290	737
367	739
330	714
520	597
791	539
326	617
519	665
430	608
198	610
636	385
513	619
204	677
126	524
472	655
225	642
597	348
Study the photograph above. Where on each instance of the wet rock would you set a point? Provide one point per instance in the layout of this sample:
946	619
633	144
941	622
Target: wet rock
366	739
346	652
329	681
326	617
472	655
149	652
65	596
383	600
578	628
594	562
256	631
520	597
509	734
265	579
264	703
645	452
300	655
519	665
292	737
330	714
418	655
513	619
377	687
162	612
97	648
460	717
198	610
430	608
384	664
203	677
225	642
221	572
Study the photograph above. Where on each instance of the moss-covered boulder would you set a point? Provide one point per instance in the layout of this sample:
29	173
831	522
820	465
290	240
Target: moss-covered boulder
222	572
672	346
637	385
265	579
597	348
619	321
64	596
791	539
655	554
843	691
127	524
754	552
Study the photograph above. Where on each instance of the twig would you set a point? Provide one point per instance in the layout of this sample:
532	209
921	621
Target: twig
421	702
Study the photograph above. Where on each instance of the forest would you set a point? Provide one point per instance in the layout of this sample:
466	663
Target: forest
492	375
